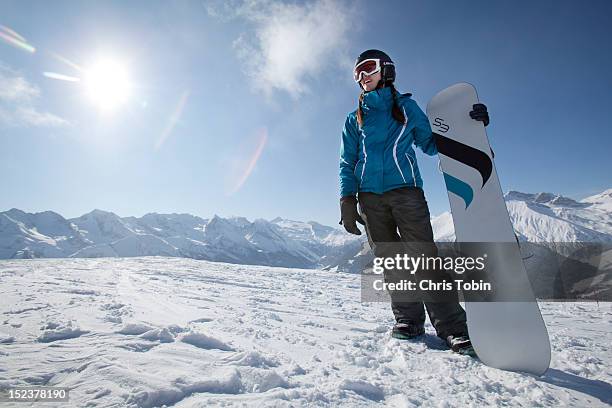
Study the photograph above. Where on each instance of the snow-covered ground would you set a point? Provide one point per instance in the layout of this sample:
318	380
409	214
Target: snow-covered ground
178	332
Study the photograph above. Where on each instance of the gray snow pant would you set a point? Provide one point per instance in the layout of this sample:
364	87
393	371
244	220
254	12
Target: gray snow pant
402	216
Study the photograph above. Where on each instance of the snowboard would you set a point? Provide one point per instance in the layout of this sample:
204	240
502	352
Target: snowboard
506	334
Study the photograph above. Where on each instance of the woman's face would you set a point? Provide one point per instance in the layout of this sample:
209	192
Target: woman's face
368	83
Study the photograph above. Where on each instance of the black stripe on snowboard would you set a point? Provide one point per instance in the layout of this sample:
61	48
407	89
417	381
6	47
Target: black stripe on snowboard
467	155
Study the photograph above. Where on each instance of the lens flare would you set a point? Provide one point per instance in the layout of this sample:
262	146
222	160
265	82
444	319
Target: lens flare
247	166
174	118
12	38
65	61
12	33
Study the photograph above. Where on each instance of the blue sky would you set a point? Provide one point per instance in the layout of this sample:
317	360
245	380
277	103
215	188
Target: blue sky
236	108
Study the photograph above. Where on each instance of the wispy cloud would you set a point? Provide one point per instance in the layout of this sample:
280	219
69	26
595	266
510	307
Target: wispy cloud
14	88
291	43
28	115
17	102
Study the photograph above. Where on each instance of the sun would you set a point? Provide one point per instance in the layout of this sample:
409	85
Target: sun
107	84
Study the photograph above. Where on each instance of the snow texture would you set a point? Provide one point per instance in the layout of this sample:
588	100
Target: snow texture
164	331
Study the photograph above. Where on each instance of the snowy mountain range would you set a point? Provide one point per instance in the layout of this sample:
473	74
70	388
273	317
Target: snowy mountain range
279	242
547	225
546	217
237	240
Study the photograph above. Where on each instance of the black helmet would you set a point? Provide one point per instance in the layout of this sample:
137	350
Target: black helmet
387	67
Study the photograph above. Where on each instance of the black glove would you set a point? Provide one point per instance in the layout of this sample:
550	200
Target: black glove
480	113
349	214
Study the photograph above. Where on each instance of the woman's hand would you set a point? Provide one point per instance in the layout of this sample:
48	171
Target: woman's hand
480	113
350	215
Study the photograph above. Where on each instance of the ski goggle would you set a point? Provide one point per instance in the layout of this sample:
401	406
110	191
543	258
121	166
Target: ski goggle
366	67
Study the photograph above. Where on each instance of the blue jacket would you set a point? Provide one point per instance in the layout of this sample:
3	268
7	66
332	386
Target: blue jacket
379	157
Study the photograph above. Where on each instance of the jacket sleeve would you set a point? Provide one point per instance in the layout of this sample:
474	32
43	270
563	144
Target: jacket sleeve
423	137
349	147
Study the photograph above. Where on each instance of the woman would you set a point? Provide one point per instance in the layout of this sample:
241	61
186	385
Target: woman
378	163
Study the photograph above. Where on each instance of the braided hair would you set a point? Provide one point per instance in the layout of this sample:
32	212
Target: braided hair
396	111
359	111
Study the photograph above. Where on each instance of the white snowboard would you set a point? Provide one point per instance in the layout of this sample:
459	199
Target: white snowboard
509	335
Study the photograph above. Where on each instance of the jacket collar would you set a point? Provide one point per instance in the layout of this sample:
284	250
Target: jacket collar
379	99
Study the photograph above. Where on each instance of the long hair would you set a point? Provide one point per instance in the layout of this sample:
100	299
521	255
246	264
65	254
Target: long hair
396	111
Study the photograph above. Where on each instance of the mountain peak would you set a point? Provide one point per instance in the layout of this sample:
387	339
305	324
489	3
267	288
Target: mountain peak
96	213
518	196
604	195
219	223
239	221
15	210
601	201
44	217
542	198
